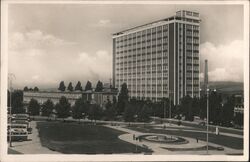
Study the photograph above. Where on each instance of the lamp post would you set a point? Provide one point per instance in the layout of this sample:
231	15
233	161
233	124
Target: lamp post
169	110
164	109
207	116
10	77
170	107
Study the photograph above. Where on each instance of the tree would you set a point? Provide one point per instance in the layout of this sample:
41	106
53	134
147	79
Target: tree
203	107
78	109
70	87
129	112
144	114
160	107
62	86
122	98
110	111
47	108
63	108
196	106
36	89
124	92
25	88
238	119
78	86
215	107
186	108
33	107
95	112
228	111
99	86
88	86
114	100
16	101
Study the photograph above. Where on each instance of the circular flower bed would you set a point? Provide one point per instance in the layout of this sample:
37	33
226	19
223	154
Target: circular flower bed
159	138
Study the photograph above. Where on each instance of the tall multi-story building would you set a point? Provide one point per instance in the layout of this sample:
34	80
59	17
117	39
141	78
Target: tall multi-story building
159	59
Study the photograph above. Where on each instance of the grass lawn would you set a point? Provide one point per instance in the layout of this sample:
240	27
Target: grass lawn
73	138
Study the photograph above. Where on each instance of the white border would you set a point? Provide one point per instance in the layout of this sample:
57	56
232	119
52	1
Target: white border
48	157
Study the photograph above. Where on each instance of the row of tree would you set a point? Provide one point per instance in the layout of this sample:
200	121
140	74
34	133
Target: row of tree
134	110
78	87
137	110
79	110
219	113
30	89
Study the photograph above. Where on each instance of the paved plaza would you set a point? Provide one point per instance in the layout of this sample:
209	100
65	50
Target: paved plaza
34	146
158	148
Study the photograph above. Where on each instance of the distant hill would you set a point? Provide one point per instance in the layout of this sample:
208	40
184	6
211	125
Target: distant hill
227	87
223	87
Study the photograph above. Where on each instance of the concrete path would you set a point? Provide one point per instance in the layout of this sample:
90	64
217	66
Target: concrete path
157	147
33	145
193	130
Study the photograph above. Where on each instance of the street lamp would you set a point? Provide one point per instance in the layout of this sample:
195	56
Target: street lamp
170	92
10	78
164	109
170	110
207	116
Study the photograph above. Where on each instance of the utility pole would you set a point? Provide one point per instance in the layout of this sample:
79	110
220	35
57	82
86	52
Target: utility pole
110	82
206	91
207	116
10	78
170	107
164	109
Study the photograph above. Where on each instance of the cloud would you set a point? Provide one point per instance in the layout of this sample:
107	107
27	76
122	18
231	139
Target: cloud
104	22
33	57
35	77
97	66
225	62
34	39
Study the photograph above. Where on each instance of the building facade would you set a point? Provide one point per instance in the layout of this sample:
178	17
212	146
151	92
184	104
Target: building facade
54	96
160	59
100	98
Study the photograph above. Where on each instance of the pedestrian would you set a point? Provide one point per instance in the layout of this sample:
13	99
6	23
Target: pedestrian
197	140
133	137
217	132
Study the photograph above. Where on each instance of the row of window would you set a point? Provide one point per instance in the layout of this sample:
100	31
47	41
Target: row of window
143	33
141	61
142	76
142	45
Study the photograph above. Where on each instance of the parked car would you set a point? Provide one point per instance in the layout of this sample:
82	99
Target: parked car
17	132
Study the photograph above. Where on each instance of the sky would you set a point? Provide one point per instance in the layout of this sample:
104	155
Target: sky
49	43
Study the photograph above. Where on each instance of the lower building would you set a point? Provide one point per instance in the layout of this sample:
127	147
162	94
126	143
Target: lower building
54	96
100	98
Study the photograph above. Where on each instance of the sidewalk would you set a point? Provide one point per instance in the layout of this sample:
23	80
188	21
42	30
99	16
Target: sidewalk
33	145
172	127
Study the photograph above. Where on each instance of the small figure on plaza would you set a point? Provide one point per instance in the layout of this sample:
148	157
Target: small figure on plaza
217	130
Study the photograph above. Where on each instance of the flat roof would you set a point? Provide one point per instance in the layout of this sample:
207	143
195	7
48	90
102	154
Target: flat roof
157	22
144	25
